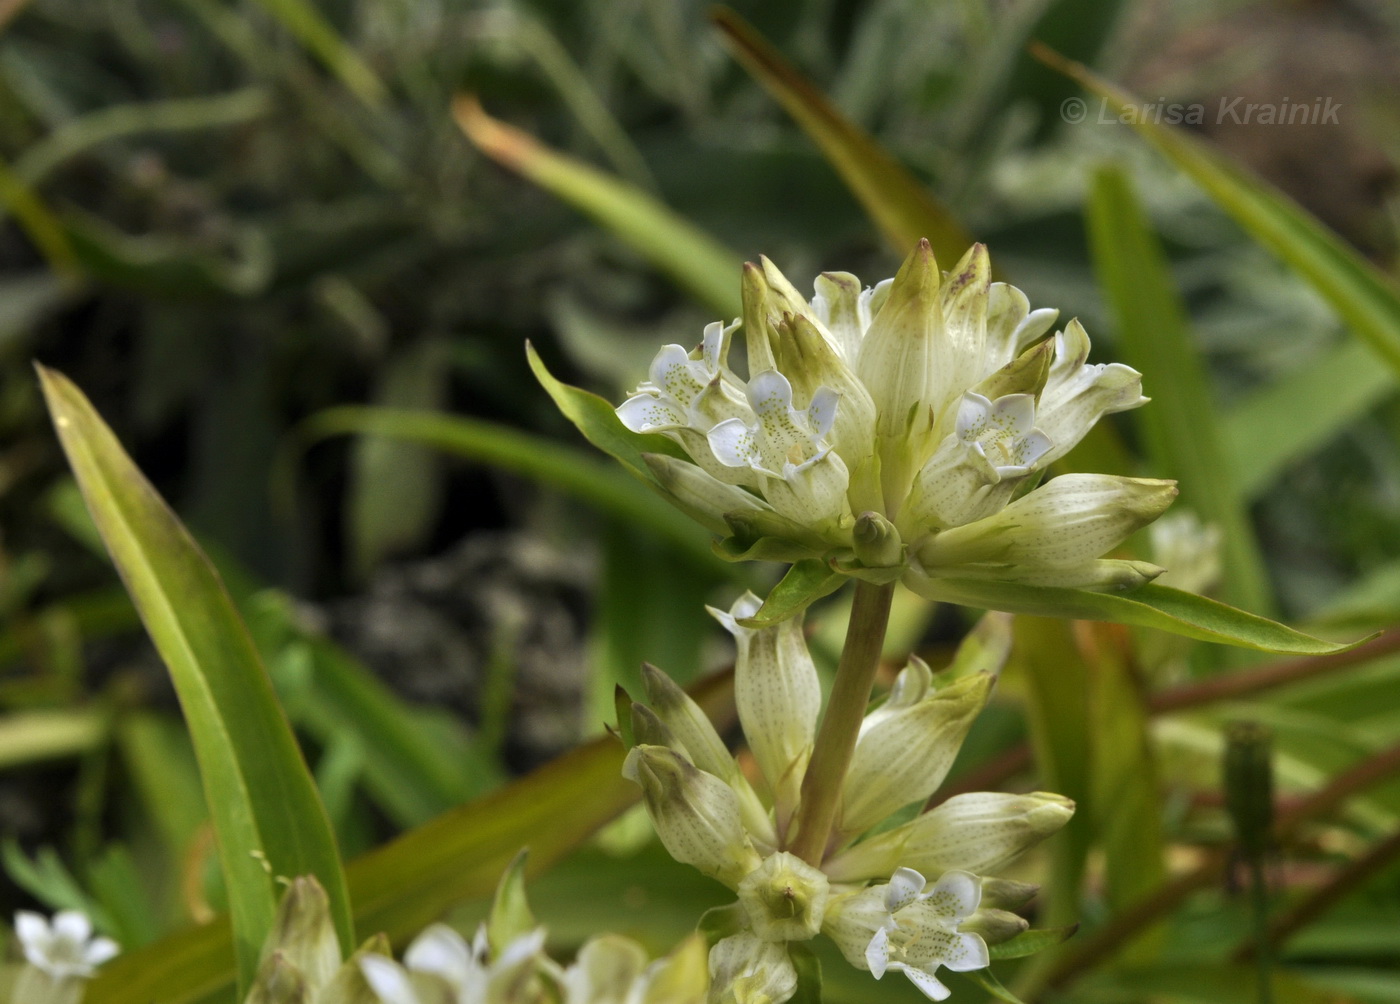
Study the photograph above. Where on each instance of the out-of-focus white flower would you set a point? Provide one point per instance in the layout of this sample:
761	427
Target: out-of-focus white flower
64	948
611	969
440	967
933	403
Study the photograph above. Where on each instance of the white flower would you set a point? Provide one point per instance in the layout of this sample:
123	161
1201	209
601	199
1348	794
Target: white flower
611	969
927	405
440	960
906	927
64	948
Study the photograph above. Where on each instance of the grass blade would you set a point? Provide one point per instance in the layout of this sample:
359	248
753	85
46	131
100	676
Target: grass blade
1299	413
1364	297
1183	434
555	466
692	258
264	805
406	884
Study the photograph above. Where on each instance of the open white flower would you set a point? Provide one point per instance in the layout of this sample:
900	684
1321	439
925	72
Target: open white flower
932	404
911	927
64	948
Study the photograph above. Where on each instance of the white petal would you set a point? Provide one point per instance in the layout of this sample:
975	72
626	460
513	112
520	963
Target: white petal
877	955
100	950
650	413
735	445
821	413
443	951
954	896
904	888
969	952
72	925
32	929
927	982
671	373
388	980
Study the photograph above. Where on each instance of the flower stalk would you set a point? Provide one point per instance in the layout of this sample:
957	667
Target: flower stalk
840	727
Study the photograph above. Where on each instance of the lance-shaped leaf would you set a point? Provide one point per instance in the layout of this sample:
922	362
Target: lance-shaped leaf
1146	606
1182	427
264	805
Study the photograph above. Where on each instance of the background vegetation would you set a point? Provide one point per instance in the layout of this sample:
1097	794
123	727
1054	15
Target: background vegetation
257	237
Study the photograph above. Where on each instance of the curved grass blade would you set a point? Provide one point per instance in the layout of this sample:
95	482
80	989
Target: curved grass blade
555	466
696	261
1365	298
1183	432
899	204
264	805
1146	606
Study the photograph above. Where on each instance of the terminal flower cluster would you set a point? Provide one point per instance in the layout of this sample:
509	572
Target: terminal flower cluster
909	899
899	431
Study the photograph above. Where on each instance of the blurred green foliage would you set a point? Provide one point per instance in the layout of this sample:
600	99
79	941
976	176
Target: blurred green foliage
225	218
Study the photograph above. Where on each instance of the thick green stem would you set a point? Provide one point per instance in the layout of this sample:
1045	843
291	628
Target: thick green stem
836	739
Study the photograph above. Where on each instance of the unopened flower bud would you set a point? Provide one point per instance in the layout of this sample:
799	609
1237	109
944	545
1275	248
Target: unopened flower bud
995	926
278	981
695	814
745	969
1004	894
785	898
650	730
877	542
303	935
687	722
904	757
977	832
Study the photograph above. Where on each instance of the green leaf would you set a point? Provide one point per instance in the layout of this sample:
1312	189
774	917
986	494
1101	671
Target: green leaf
1061	734
985	979
1146	606
803	584
693	259
899	204
1032	941
395	491
309	26
1127	802
264	805
403	886
1182	430
1298	413
1364	296
558	467
412	770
